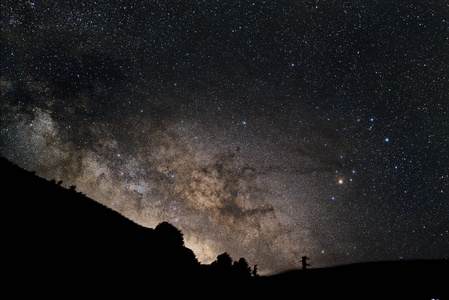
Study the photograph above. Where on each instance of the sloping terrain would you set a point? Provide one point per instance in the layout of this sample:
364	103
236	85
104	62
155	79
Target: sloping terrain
55	236
57	241
412	279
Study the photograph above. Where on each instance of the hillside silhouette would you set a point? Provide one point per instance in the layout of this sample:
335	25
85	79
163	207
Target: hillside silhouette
405	279
57	239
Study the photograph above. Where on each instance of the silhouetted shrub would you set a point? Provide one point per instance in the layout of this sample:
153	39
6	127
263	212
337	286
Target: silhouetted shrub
168	235
223	261
241	269
254	271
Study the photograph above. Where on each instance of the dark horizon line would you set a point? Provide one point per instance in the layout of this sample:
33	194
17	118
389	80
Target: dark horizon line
264	273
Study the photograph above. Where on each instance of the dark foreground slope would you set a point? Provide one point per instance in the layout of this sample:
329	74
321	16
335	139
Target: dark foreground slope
56	241
413	279
56	237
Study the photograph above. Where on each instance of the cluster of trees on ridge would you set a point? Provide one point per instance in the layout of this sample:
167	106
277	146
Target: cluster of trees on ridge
62	230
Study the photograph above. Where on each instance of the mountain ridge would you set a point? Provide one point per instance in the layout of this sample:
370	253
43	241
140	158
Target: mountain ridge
58	237
54	234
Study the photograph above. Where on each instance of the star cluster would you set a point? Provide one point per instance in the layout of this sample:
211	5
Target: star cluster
267	129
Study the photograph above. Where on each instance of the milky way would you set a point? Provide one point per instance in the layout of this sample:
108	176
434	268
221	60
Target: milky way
266	129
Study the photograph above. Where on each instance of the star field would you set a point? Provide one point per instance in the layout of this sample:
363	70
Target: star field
266	129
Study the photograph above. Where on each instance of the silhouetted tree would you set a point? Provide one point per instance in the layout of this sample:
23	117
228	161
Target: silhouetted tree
241	268
254	272
222	265
168	235
168	255
223	261
304	262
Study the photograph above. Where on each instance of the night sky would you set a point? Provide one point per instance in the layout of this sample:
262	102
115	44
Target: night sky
266	129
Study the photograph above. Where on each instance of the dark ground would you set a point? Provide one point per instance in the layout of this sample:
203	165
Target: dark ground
58	242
